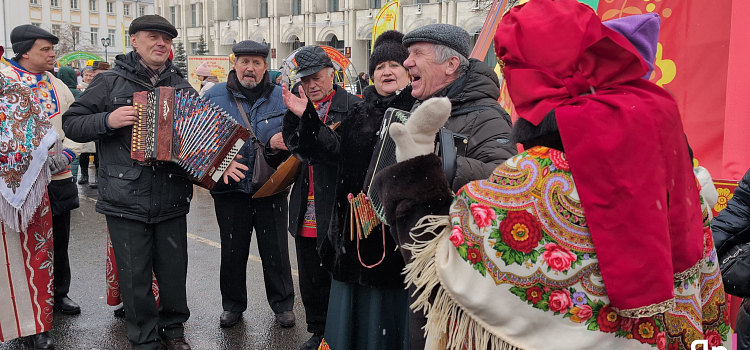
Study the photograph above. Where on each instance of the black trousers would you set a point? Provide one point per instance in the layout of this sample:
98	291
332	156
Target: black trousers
742	327
238	214
314	284
139	249
83	162
61	262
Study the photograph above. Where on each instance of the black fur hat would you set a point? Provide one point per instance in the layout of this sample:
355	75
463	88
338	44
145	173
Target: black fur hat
388	47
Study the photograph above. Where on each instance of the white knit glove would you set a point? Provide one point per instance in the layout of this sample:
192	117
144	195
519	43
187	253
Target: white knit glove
417	137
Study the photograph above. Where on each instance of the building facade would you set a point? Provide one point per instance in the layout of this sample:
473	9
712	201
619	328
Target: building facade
80	24
289	24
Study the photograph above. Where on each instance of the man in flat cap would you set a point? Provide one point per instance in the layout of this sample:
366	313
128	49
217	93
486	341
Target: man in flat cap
34	57
145	205
439	65
313	195
254	101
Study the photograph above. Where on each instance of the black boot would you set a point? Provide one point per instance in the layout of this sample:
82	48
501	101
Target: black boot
84	177
42	341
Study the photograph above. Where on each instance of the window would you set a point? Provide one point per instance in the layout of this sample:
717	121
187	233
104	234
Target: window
76	36
110	7
94	36
374	4
421	1
296	7
193	48
54	3
173	15
194	15
111	35
263	8
333	5
126	38
235	9
74	4
142	11
36	24
56	29
92	5
34	2
126	9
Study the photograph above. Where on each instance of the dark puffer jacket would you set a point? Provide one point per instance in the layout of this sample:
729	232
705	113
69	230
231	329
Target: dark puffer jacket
730	228
151	193
477	115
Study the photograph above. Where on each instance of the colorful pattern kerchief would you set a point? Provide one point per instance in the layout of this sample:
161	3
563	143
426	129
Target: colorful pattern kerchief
518	269
41	85
26	134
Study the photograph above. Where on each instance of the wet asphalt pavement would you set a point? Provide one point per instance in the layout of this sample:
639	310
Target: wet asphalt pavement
96	328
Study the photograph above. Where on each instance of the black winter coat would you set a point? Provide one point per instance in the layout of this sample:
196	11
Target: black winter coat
477	115
732	226
346	153
152	193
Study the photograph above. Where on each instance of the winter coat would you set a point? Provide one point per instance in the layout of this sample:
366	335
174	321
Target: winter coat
68	76
147	193
207	84
477	115
266	116
300	136
732	226
350	149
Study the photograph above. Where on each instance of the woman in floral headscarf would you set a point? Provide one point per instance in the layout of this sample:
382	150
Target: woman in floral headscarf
530	258
25	217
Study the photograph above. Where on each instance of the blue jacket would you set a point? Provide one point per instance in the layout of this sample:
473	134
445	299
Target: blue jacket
266	116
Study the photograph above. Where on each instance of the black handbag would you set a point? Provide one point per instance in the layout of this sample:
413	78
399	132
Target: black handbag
261	170
735	270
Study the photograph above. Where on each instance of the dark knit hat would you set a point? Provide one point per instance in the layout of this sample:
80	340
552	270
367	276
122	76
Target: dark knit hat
249	47
448	35
154	23
310	60
24	36
388	47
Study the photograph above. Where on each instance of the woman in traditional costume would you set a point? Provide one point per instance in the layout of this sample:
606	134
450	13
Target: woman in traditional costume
26	245
368	305
593	237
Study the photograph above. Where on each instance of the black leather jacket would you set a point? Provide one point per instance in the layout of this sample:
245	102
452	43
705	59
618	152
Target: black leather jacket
732	226
145	193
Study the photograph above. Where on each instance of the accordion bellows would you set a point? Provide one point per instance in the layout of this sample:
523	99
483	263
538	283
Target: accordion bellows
180	127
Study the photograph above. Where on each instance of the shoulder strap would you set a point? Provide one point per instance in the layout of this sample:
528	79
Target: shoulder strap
248	126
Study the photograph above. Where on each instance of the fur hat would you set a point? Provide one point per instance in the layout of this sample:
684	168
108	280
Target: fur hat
388	47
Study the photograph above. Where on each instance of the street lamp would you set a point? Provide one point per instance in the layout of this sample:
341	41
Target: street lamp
106	42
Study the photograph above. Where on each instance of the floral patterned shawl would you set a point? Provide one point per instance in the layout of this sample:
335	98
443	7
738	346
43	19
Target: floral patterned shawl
516	267
26	134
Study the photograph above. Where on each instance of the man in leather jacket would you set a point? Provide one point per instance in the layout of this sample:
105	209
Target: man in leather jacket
145	205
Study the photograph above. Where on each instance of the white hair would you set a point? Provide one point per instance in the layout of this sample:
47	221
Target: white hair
444	53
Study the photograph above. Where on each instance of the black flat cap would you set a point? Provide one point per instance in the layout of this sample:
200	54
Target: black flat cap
310	60
444	34
249	47
152	23
23	37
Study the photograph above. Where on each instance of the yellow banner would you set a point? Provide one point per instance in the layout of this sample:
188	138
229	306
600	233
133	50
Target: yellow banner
124	36
387	19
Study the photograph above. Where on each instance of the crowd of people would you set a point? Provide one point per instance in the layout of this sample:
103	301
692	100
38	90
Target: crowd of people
542	234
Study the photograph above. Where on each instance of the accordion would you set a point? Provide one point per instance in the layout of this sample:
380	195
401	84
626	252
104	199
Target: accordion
180	127
448	146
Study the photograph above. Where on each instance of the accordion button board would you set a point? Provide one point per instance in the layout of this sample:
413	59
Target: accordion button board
178	126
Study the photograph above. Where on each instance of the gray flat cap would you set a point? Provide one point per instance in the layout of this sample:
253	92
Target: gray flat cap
448	35
249	47
23	37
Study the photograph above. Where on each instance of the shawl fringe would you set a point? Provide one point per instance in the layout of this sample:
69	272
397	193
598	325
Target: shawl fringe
451	327
18	219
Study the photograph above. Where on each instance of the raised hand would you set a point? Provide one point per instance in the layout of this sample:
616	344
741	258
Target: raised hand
295	104
417	137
